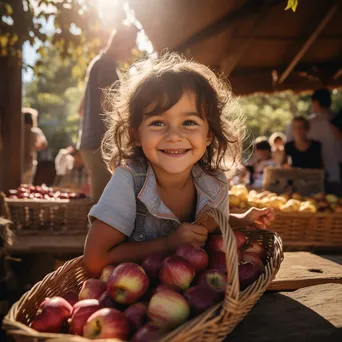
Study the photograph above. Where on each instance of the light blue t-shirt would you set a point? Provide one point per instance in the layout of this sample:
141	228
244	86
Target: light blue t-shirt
119	206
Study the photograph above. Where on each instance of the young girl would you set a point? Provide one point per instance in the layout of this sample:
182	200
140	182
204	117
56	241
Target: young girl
172	127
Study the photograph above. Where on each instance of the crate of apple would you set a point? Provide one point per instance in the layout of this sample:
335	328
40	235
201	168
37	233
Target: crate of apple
41	192
143	302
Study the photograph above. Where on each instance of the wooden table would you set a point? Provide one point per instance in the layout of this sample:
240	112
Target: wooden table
309	314
48	243
302	269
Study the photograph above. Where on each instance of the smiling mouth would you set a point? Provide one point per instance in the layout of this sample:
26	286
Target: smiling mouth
175	152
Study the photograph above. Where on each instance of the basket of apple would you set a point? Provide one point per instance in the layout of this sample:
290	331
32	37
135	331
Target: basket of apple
194	294
36	208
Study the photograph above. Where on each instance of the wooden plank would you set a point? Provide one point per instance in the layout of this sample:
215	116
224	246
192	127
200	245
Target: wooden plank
48	243
229	63
311	314
249	8
302	269
309	42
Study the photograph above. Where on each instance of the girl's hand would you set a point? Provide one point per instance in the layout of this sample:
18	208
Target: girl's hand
188	233
259	218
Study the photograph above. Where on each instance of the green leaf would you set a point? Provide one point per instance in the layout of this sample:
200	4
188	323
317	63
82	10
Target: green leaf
292	4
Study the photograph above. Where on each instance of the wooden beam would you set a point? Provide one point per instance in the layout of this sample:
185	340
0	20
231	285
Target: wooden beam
269	37
249	8
229	63
308	42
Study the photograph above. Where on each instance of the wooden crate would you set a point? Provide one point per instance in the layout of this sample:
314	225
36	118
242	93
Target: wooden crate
304	181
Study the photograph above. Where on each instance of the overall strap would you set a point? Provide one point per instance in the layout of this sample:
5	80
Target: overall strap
139	177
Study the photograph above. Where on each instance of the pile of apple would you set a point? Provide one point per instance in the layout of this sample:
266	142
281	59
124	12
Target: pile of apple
143	302
241	198
41	192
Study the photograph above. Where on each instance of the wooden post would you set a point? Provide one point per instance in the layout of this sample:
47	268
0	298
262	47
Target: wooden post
11	123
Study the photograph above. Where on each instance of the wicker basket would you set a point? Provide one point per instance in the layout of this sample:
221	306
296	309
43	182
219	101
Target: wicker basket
55	216
309	229
212	325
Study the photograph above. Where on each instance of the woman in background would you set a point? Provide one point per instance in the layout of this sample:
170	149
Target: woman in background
302	152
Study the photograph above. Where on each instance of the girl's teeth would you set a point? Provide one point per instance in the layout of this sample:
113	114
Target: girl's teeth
175	152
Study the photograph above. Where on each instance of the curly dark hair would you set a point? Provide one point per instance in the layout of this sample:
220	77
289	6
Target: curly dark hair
161	83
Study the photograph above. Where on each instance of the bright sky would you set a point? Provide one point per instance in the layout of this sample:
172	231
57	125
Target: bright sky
105	8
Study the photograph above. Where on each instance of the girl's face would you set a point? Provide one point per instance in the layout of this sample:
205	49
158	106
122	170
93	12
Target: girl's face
177	139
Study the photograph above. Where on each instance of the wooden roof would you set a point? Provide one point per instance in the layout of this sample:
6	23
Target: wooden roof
258	45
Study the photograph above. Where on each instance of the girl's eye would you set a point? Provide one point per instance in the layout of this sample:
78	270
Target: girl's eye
190	123
157	123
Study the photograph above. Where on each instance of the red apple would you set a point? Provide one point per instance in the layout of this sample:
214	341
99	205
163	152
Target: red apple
241	239
197	257
150	332
215	243
168	309
248	274
106	301
127	283
71	297
106	272
152	265
92	289
177	272
214	278
51	315
217	261
137	314
162	287
107	323
257	248
80	314
253	258
201	297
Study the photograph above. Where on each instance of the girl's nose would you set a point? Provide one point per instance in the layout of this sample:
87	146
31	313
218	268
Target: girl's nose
174	134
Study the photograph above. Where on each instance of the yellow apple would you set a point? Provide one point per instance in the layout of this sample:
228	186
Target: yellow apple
234	200
297	196
331	198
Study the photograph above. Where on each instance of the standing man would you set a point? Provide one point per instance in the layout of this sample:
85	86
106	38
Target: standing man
320	130
102	73
34	140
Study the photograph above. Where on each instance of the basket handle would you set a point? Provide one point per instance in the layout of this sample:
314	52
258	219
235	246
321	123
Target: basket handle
232	290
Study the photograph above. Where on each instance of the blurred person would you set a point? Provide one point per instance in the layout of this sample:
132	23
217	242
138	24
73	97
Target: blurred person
34	140
302	152
336	125
262	158
320	130
277	141
102	72
64	163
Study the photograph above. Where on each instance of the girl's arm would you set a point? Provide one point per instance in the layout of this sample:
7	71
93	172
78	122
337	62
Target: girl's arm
105	245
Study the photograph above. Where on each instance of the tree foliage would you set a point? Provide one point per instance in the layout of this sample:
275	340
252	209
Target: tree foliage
78	31
56	94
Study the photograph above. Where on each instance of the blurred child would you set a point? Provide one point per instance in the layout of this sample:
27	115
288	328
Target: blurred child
277	141
262	158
